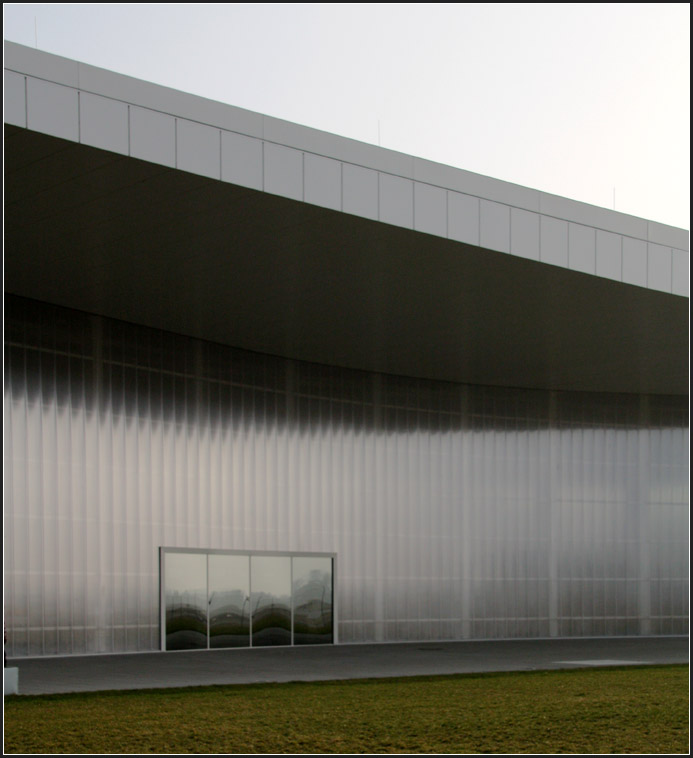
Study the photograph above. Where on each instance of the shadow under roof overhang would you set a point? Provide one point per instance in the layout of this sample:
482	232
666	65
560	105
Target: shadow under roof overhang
107	234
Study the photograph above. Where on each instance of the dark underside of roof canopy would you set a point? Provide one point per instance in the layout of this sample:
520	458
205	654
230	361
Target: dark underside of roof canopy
112	235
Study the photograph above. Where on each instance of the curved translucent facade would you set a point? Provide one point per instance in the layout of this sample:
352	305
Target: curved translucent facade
454	511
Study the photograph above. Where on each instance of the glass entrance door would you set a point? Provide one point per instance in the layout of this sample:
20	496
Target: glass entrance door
312	600
224	599
229	600
186	600
271	599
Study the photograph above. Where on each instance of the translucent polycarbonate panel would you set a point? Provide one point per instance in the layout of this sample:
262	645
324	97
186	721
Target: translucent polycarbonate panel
454	511
185	576
229	600
270	600
312	600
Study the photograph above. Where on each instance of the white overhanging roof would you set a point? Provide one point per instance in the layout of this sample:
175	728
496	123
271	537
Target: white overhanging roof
138	202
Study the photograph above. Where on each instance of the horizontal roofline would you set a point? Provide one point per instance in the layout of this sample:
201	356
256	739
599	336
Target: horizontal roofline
87	78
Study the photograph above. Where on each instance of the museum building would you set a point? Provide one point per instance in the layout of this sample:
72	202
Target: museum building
266	385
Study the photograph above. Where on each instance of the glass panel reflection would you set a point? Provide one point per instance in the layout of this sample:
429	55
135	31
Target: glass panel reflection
229	601
186	601
270	599
312	596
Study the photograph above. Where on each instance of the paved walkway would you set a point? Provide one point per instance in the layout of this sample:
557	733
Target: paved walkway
243	666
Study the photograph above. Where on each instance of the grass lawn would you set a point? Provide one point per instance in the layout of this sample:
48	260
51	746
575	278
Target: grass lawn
621	710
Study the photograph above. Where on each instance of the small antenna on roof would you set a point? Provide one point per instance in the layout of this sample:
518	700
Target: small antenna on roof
614	198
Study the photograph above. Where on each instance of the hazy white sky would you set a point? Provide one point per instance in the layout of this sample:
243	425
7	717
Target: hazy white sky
574	99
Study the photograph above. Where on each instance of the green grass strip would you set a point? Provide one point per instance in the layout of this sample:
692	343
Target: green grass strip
619	710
